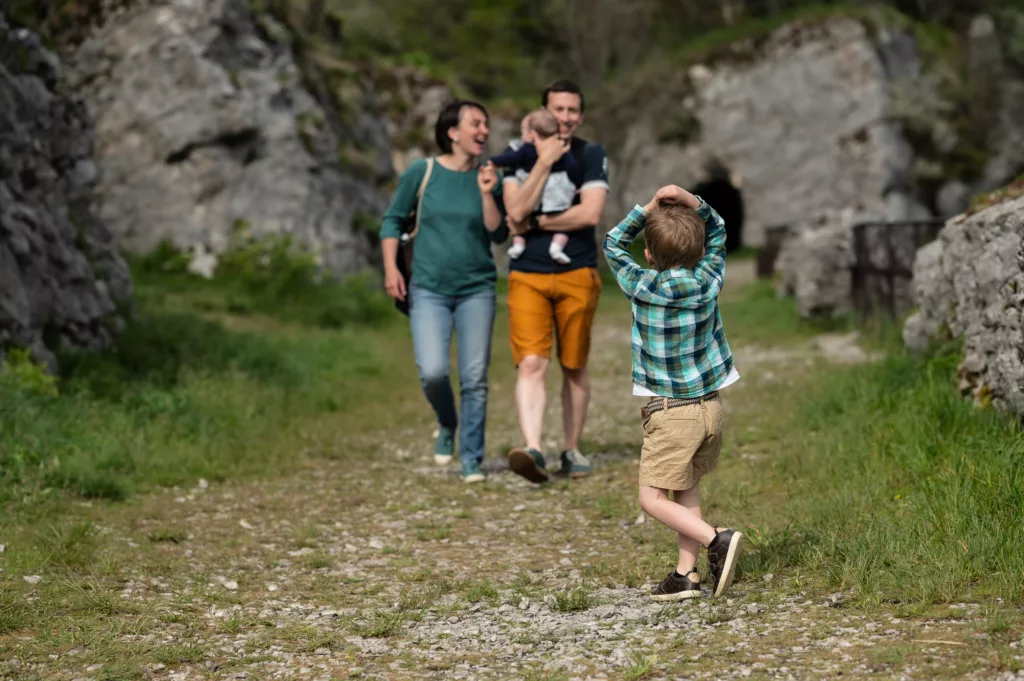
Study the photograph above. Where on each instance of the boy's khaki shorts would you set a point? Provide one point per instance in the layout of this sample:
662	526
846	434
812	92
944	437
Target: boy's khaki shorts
681	444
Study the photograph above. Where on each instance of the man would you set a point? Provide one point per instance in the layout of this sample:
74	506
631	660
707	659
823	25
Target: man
547	298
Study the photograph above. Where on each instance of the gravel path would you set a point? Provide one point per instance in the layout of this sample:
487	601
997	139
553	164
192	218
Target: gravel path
372	563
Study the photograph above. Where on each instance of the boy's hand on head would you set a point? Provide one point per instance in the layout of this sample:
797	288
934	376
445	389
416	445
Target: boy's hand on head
674	194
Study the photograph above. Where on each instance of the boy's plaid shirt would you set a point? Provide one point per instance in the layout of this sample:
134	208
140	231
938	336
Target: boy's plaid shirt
679	346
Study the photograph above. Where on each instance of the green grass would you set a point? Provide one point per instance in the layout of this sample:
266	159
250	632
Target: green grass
198	385
576	600
760	318
902	489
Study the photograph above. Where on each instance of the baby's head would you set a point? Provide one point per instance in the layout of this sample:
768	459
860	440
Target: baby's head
539	124
674	236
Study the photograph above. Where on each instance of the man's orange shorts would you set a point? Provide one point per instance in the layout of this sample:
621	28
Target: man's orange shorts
540	305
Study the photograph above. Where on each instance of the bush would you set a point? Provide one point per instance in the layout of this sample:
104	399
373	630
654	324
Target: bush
271	276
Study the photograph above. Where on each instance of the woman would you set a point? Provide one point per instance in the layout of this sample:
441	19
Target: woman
453	275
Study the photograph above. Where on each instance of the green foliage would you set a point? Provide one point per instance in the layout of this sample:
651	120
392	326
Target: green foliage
19	373
493	46
1011	26
273	276
181	394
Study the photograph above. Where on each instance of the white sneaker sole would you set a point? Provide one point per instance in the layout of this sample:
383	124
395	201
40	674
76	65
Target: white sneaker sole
442	459
476	477
729	571
679	596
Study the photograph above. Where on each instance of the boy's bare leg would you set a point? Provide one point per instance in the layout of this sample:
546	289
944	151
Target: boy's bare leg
655	503
689	547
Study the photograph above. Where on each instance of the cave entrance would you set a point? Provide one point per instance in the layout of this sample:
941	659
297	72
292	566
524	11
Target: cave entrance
720	192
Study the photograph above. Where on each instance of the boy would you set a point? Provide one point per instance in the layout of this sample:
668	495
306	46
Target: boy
680	360
558	195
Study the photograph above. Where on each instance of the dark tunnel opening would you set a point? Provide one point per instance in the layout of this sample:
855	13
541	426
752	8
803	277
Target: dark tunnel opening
727	200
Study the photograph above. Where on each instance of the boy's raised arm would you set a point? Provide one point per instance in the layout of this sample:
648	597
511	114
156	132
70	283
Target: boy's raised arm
616	251
713	262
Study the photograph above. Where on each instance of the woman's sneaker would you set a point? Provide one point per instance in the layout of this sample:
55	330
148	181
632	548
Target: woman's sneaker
471	472
677	587
723	554
444	446
529	463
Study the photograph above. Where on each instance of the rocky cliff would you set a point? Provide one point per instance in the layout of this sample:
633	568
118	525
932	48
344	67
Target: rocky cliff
61	278
969	284
825	116
205	124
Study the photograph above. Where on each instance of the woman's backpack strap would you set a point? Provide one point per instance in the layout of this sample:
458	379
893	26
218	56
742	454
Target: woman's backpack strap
419	196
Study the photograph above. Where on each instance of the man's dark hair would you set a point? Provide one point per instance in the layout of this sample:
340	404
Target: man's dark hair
449	118
562	86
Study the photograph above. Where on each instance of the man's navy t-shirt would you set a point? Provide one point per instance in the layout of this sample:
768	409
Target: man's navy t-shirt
582	246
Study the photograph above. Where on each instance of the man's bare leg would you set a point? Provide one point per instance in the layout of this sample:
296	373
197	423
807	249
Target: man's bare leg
530	403
531	399
575	400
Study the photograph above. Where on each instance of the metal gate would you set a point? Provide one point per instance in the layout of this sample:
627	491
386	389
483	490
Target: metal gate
883	263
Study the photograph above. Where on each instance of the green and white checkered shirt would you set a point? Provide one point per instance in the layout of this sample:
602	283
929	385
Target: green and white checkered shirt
679	346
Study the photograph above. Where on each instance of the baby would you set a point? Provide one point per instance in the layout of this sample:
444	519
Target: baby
558	195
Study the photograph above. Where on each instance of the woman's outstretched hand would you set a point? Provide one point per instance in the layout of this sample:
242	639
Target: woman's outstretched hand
486	178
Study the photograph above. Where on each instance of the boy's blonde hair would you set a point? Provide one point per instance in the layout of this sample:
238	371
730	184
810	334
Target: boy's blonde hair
542	122
674	236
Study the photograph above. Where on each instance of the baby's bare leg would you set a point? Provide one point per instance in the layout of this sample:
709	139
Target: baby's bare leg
558	242
518	246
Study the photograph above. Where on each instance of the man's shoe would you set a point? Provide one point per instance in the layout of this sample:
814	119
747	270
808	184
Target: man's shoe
471	472
444	446
723	554
574	464
529	463
677	588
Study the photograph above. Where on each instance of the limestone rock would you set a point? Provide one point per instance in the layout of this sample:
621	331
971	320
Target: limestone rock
61	278
814	265
203	125
970	284
816	117
803	123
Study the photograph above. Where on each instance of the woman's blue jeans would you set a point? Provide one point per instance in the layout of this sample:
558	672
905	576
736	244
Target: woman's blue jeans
432	317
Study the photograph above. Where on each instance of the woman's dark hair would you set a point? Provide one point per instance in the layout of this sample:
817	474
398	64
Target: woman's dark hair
449	118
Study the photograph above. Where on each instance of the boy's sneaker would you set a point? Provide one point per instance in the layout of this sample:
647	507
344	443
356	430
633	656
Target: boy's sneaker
723	554
529	463
471	472
444	446
574	464
677	587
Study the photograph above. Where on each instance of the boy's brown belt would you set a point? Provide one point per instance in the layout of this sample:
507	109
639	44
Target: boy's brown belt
658	403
